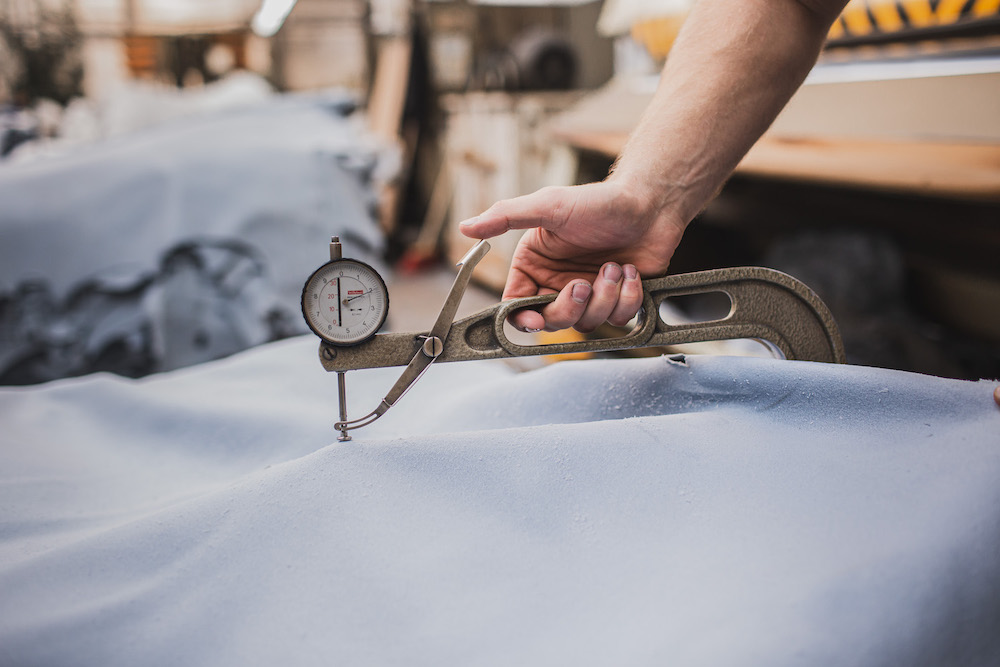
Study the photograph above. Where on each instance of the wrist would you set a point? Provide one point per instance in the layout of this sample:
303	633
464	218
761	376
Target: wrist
653	203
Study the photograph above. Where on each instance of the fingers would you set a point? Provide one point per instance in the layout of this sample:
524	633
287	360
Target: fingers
603	300
538	209
527	320
629	298
615	297
567	309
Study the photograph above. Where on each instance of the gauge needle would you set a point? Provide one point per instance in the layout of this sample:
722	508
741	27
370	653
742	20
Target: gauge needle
356	296
340	313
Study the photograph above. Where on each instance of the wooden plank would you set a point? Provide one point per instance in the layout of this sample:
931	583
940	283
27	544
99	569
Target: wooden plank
606	143
928	168
388	95
969	171
929	127
385	115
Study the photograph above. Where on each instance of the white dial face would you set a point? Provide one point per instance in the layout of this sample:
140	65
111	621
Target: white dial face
345	302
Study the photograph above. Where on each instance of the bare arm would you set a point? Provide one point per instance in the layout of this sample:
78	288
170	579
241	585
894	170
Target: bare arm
734	66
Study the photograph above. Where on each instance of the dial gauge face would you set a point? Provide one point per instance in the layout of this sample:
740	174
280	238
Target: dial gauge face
345	302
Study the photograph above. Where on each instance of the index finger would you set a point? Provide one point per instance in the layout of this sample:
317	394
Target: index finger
535	210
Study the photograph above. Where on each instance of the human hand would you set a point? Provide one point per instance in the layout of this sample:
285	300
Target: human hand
590	243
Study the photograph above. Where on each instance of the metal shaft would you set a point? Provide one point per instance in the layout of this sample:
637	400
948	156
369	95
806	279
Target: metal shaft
342	398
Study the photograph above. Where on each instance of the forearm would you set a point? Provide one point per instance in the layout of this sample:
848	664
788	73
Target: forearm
734	66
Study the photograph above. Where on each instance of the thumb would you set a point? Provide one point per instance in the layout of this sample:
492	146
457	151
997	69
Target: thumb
534	210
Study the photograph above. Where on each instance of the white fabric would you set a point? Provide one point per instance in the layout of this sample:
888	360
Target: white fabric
716	511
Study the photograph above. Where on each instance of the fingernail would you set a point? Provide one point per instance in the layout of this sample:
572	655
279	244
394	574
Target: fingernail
581	292
612	273
530	330
469	222
630	272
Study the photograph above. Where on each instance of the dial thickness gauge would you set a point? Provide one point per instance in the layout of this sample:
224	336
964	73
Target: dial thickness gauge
345	302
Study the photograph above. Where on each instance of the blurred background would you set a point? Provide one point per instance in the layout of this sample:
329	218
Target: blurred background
172	170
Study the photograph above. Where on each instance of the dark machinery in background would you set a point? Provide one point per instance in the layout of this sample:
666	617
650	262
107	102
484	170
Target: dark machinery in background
537	59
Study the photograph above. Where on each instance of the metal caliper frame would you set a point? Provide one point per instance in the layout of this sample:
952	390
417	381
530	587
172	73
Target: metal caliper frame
767	305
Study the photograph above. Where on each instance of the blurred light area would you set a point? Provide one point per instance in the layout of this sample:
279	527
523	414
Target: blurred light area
619	16
531	3
270	16
185	12
165	16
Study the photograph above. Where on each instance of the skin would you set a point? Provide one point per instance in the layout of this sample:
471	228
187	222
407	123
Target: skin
734	66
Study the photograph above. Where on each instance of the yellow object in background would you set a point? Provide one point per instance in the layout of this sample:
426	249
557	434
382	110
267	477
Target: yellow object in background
861	18
658	35
563	336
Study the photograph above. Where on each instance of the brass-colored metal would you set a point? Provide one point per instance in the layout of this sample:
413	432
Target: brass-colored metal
767	305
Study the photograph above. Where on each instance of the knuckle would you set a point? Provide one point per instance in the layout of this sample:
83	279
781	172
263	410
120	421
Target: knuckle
500	210
555	319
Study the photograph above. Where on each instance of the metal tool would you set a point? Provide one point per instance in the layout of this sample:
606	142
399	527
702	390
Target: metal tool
767	305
